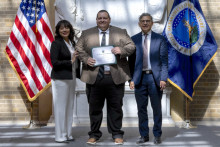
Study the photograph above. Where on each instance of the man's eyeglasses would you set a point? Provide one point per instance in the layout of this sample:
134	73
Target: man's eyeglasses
143	21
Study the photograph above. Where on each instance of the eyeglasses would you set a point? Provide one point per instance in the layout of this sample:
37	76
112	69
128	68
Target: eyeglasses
147	21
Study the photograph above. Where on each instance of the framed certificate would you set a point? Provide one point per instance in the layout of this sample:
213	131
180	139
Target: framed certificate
103	55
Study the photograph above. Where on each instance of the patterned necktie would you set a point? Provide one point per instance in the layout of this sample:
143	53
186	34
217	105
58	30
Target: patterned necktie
101	68
103	39
145	53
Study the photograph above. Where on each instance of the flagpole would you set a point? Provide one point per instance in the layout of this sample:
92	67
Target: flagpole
36	14
31	125
187	123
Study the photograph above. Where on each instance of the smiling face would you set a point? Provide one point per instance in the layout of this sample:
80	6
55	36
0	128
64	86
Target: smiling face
145	24
103	20
64	32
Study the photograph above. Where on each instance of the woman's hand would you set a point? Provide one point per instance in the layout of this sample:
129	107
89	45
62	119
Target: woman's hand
75	55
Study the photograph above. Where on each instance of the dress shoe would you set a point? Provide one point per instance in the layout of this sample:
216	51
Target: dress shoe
157	140
70	140
142	139
92	141
119	141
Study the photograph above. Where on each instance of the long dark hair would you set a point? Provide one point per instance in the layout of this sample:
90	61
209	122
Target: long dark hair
67	24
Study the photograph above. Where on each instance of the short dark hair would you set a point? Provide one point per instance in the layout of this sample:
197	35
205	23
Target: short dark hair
145	14
103	11
67	24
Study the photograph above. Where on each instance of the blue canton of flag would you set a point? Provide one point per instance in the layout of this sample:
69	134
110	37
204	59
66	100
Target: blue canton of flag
32	10
191	45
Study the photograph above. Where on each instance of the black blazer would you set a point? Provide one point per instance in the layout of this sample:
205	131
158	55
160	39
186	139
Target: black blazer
61	60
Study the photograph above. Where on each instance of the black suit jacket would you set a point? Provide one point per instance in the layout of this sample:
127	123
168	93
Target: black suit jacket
61	61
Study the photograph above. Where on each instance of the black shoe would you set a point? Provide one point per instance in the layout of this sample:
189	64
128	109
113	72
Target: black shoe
70	140
157	140
142	139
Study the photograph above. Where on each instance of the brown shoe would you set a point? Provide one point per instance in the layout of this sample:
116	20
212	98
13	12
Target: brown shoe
92	141
119	141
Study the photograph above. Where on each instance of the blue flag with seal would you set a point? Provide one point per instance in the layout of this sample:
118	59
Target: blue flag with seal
191	45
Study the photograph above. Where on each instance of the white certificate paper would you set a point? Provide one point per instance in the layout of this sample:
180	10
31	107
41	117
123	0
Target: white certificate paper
103	55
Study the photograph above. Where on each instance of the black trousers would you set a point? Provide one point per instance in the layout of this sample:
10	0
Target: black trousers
105	89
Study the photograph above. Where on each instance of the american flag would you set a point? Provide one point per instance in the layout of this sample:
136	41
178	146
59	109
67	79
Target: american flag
28	47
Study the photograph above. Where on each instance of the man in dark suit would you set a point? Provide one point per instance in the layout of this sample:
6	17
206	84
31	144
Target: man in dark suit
105	82
149	72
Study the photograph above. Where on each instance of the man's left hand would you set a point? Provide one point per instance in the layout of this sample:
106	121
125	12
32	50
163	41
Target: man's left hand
162	85
116	51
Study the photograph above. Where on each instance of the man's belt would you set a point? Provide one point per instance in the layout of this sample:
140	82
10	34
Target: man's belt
107	72
147	72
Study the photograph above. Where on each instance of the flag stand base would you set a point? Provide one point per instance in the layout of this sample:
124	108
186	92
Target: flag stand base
31	125
188	125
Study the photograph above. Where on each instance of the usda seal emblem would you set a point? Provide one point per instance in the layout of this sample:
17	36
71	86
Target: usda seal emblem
186	28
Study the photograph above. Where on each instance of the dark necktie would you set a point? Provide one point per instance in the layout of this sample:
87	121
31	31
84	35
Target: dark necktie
103	39
101	68
145	53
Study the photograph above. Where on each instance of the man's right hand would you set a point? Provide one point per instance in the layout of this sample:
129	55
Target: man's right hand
131	85
91	61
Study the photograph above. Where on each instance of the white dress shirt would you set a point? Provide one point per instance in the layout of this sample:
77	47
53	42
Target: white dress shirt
72	50
106	67
70	47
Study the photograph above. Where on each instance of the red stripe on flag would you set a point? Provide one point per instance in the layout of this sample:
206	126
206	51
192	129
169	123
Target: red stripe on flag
26	60
19	72
47	30
43	47
32	49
